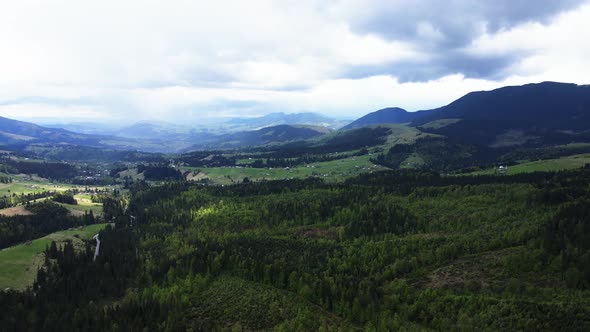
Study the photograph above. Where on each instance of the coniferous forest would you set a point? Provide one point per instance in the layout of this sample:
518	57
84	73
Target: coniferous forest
396	250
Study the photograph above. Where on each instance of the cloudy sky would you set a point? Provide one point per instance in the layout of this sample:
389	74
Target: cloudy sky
191	61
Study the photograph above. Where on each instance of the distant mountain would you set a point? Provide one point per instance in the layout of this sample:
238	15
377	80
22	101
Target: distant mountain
531	115
152	137
89	128
274	119
534	114
19	132
268	135
151	129
22	134
393	115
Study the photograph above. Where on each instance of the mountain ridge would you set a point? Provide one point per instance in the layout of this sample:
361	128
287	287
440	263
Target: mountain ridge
268	135
533	114
389	115
279	118
548	109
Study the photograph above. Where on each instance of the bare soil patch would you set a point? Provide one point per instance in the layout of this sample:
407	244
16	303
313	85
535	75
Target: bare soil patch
481	271
15	211
320	233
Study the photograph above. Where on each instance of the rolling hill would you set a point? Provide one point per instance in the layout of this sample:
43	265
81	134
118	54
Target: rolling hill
280	118
150	138
268	135
533	114
19	134
488	127
13	132
390	115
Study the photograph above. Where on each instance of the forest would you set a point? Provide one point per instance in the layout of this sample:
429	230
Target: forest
48	170
393	250
14	199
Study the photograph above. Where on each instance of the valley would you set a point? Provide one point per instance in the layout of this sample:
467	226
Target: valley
432	220
295	166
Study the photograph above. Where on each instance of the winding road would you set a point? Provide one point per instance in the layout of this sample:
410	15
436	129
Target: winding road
97	246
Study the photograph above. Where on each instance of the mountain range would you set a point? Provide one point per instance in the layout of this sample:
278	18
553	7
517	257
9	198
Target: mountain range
280	118
147	137
544	113
531	115
534	114
19	132
264	136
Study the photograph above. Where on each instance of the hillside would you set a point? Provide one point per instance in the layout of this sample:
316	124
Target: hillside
19	132
391	115
536	114
531	114
268	135
279	118
138	137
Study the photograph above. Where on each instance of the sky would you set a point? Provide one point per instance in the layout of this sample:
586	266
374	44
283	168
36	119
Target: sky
194	62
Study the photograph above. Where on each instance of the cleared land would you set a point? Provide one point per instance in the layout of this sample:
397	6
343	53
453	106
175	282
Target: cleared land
437	124
19	264
15	211
403	134
80	209
334	170
24	184
559	164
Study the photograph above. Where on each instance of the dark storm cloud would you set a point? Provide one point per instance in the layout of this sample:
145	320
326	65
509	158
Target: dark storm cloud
453	62
443	29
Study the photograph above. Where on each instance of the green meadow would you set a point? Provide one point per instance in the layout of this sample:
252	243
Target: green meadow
548	165
335	170
19	264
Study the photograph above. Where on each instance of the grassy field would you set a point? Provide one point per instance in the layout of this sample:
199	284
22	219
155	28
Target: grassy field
437	124
78	210
403	134
7	189
28	185
19	264
85	203
75	210
412	162
132	173
33	184
335	170
563	163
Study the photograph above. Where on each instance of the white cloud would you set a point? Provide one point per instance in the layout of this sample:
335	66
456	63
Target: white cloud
189	60
427	31
557	51
53	114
